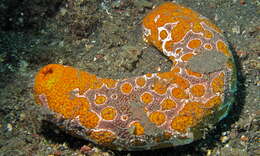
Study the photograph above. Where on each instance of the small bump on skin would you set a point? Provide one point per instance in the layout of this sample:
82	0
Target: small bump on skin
126	88
146	98
179	50
155	110
138	128
169	46
194	44
208	34
168	104
163	34
198	90
103	137
160	87
140	81
149	75
114	96
208	47
108	113
157	118
124	117
100	99
179	93
181	123
89	119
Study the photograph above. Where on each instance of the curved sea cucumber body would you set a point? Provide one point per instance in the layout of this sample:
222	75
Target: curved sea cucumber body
154	110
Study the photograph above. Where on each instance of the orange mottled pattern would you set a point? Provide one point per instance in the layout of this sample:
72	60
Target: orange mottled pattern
156	109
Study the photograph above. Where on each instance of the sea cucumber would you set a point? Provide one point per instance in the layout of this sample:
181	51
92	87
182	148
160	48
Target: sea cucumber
155	110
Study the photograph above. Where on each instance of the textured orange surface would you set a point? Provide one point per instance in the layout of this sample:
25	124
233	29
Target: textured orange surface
194	43
100	99
126	88
198	90
156	109
88	119
108	113
179	93
140	81
147	98
168	104
160	87
157	118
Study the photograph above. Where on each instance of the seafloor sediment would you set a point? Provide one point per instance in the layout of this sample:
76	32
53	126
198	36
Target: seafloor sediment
87	34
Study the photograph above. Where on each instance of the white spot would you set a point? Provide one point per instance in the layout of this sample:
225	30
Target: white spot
146	31
9	127
124	117
156	18
114	96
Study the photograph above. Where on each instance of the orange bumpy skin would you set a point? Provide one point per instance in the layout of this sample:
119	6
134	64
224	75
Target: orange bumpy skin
157	109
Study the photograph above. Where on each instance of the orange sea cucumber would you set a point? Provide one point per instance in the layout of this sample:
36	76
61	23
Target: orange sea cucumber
157	109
